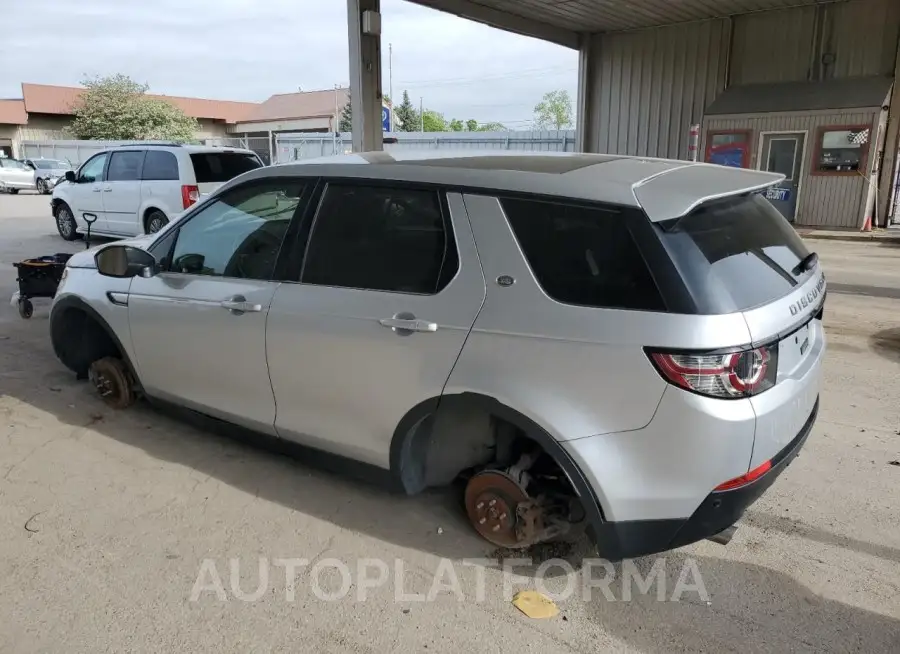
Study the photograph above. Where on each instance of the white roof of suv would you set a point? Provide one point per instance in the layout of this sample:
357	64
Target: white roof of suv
664	188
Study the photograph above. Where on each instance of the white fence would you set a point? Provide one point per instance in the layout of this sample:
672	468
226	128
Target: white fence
293	147
259	144
75	152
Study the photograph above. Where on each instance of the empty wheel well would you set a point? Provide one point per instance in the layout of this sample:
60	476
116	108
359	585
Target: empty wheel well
464	433
79	339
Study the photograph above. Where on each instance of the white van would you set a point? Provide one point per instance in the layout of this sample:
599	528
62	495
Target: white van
137	189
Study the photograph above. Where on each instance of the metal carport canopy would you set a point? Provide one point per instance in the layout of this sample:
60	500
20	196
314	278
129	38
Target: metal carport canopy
560	21
564	22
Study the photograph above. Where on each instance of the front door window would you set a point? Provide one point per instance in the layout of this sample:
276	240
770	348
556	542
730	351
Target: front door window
93	170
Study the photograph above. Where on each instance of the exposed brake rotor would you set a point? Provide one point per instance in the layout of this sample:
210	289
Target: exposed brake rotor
501	511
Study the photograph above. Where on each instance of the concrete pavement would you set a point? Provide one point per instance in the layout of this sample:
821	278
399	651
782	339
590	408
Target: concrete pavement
111	521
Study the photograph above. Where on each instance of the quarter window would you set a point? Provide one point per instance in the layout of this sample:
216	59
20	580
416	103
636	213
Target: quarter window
124	166
583	255
238	235
383	239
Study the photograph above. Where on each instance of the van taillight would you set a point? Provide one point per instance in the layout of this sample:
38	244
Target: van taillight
729	375
189	195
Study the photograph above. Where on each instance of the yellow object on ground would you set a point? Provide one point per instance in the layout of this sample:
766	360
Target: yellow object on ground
535	605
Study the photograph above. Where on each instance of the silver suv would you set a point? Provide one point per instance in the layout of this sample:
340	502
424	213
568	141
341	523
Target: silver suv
627	345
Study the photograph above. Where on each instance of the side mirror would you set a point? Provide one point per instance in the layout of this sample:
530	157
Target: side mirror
125	261
70	176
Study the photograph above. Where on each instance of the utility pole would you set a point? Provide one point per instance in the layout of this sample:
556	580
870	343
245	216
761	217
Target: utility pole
337	122
391	80
421	115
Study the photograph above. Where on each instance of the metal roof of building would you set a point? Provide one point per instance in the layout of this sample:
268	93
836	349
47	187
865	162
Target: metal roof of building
849	93
560	21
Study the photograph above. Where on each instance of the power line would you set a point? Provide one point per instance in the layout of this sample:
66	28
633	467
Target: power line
460	81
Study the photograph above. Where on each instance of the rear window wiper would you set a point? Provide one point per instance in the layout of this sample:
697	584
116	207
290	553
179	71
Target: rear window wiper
806	263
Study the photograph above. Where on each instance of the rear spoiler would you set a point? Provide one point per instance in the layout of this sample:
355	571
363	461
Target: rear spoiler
676	192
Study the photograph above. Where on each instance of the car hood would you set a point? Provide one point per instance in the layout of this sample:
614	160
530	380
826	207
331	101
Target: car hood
85	258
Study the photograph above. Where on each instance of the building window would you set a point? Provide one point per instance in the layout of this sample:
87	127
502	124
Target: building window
842	150
729	147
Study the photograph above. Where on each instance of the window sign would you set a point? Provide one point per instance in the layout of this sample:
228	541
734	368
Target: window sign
842	150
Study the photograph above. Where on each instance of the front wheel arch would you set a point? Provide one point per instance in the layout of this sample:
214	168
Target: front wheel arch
80	335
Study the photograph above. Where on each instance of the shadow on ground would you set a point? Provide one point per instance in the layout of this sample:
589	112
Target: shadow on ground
432	522
784	616
751	608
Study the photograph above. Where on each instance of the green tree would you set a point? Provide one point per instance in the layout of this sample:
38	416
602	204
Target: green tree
493	127
117	108
472	125
406	115
345	122
554	111
456	125
432	121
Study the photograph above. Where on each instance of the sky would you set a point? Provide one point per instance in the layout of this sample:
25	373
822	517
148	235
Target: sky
251	49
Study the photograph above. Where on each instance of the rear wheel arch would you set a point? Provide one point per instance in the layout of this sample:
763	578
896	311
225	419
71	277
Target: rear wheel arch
414	434
145	217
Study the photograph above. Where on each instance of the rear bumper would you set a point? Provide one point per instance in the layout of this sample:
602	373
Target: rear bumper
720	510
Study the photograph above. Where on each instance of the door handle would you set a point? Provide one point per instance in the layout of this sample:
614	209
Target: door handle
407	325
107	189
96	189
238	305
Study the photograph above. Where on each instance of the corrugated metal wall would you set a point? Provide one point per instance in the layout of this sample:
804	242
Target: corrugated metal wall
863	35
650	86
829	201
773	46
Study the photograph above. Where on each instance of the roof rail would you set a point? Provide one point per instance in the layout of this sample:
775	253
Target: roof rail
165	143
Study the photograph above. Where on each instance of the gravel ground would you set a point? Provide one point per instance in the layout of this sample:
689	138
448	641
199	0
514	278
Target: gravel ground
115	526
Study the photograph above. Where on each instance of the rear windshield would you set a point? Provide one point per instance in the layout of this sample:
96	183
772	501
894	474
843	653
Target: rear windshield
222	166
736	254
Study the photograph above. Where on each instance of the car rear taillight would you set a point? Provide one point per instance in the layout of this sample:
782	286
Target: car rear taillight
748	478
189	195
728	375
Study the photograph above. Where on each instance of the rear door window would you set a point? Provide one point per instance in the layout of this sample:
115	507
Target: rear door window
735	254
381	239
583	255
160	165
222	166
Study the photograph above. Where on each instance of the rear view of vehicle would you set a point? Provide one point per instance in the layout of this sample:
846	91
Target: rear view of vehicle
212	167
740	348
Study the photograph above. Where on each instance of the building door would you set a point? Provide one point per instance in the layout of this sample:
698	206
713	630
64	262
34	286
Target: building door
783	153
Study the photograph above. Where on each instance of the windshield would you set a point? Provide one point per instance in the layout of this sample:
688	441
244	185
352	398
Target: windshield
735	254
222	166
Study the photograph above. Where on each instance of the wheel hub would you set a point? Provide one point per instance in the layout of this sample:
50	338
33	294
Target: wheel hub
492	499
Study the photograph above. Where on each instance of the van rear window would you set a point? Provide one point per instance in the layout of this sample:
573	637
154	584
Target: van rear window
735	254
222	166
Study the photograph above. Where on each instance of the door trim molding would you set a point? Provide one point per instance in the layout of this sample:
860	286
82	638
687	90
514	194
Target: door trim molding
802	172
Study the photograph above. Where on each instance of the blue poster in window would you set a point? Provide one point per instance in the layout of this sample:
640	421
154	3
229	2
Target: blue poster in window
730	157
778	194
